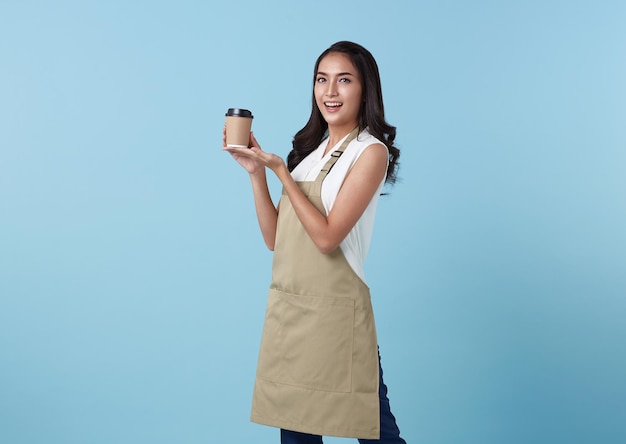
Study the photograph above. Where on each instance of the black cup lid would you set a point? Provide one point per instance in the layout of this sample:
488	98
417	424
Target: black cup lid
239	112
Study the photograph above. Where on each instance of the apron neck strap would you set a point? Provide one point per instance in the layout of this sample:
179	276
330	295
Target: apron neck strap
335	155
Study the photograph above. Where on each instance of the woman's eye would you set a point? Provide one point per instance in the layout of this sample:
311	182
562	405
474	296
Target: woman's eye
344	80
320	80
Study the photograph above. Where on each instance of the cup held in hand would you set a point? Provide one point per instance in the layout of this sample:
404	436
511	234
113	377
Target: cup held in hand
238	126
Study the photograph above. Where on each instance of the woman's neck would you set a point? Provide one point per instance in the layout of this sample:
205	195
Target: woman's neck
335	134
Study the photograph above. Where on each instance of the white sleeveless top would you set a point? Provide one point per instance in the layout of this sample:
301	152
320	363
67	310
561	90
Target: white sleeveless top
356	244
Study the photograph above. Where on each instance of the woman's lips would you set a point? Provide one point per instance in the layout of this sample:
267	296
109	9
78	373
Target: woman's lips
332	107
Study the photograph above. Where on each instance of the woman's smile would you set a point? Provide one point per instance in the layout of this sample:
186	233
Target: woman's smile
332	107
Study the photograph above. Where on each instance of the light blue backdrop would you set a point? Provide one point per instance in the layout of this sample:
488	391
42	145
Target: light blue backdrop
132	274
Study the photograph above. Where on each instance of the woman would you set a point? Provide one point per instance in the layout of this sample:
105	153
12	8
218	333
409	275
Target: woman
319	370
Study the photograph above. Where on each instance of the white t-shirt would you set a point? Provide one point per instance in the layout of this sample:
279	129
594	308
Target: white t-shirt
356	244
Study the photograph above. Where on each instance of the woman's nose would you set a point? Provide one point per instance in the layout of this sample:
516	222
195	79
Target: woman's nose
332	89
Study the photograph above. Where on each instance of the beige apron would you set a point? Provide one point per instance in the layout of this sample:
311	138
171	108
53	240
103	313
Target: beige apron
318	364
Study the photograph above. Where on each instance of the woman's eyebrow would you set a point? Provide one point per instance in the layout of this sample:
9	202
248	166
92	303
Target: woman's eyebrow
320	73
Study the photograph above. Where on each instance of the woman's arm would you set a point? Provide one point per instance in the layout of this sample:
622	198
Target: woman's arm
354	195
266	212
327	232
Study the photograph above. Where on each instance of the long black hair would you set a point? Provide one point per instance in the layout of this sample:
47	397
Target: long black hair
371	115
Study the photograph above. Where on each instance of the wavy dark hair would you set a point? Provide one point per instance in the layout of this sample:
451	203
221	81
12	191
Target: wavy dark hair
371	115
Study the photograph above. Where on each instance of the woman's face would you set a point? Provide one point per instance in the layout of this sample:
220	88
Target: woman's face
338	91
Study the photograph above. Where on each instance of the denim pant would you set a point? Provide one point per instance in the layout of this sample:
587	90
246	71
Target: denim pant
389	432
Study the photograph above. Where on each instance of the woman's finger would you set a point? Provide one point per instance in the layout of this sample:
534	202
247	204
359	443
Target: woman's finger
253	141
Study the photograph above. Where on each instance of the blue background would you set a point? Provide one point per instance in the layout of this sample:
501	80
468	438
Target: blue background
132	274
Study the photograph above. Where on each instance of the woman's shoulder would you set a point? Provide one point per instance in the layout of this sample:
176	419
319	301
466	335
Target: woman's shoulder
366	139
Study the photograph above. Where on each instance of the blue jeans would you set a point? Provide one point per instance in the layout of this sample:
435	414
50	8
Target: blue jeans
389	432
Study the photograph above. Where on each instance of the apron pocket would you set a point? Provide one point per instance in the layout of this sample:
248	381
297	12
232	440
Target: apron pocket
307	341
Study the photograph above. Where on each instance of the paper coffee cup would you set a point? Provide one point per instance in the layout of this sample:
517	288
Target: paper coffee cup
238	125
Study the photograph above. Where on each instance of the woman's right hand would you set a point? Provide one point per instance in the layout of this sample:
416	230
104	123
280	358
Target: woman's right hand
254	160
249	164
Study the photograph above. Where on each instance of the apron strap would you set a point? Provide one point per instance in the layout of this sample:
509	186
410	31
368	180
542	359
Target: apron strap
335	155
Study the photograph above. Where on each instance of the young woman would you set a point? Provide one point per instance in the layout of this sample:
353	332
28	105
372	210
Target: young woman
319	370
